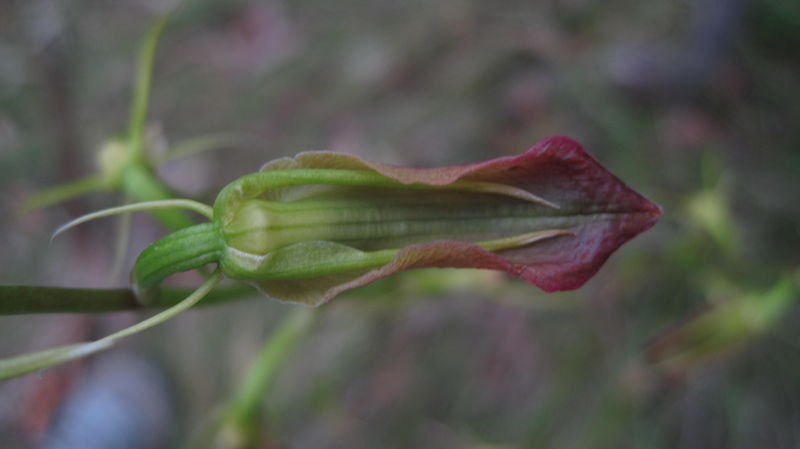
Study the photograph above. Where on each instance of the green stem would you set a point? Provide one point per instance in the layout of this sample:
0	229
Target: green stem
24	299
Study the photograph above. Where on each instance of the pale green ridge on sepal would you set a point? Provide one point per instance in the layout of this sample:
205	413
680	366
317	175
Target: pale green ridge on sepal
256	185
491	187
522	239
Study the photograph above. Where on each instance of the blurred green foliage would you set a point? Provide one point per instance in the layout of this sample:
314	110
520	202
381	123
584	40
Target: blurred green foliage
686	338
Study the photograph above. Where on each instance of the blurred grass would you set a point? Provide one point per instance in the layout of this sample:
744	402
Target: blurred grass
488	362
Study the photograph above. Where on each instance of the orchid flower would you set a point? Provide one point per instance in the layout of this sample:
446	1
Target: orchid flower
307	228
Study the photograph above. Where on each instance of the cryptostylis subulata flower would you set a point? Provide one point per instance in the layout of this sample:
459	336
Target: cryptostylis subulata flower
307	228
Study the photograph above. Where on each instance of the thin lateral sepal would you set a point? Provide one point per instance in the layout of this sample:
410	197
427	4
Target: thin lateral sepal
195	206
173	311
27	363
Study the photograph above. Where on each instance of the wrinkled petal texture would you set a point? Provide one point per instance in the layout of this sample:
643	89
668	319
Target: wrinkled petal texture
601	211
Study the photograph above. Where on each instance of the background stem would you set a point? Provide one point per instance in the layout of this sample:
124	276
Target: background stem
242	417
141	91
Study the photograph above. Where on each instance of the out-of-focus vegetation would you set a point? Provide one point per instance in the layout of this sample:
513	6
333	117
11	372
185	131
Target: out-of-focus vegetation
687	337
